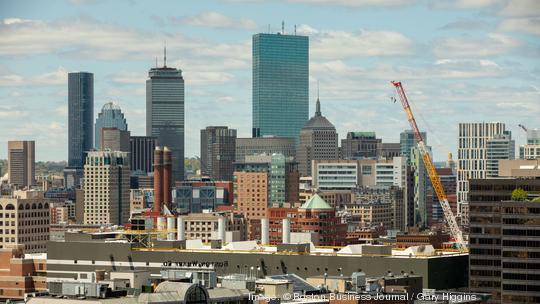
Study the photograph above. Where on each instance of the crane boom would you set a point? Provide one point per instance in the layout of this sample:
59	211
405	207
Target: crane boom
433	176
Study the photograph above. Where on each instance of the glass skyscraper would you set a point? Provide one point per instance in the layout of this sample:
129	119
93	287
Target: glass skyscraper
111	116
280	84
407	141
165	113
80	117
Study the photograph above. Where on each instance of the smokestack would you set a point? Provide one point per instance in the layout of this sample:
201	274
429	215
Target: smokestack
180	229
265	239
158	179
160	227
170	228
286	238
167	177
221	229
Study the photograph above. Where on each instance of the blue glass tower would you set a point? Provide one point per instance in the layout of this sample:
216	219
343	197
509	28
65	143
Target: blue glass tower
280	84
80	117
110	117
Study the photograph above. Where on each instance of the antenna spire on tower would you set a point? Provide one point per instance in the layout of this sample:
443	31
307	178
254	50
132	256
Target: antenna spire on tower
283	27
165	54
318	104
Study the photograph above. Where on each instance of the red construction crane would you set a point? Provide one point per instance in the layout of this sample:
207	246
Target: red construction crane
455	232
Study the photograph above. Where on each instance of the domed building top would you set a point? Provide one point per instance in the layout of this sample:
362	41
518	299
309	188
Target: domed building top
318	121
110	106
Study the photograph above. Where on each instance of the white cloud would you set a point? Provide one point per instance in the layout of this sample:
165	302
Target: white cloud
359	3
521	8
10	114
214	19
525	25
465	4
465	47
57	77
342	44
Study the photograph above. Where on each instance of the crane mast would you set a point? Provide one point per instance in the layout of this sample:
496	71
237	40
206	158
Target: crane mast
433	176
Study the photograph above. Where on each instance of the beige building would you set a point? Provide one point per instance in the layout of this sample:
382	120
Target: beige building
519	168
114	139
106	188
372	214
140	198
318	140
204	226
21	163
24	220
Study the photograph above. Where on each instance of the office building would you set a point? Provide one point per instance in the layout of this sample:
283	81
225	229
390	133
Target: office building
530	152
359	145
204	226
139	199
435	214
218	148
282	174
81	117
265	145
504	238
106	188
377	206
331	175
142	153
280	84
318	140
314	217
421	184
407	141
165	113
196	196
111	116
500	147
21	274
114	139
388	150
25	221
21	163
472	154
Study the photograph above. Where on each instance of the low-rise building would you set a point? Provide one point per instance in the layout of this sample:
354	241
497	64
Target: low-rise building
21	273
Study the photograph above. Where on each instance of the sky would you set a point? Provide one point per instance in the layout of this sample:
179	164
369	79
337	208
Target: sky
459	61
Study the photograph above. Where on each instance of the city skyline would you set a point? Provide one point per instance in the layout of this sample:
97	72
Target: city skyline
469	56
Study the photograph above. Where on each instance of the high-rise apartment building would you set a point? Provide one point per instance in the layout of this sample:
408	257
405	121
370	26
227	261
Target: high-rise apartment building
407	141
218	148
142	153
532	149
106	188
472	154
280	84
81	117
504	254
500	147
265	145
25	221
251	193
165	113
111	116
318	140
21	163
421	186
359	145
114	139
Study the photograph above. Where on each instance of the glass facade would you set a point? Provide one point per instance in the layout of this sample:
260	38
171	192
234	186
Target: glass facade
80	117
277	178
165	113
280	84
111	116
407	142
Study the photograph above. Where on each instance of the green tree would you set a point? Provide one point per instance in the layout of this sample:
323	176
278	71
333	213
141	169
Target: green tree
519	194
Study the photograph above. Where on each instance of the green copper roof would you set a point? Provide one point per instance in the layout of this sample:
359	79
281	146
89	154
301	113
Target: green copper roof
316	202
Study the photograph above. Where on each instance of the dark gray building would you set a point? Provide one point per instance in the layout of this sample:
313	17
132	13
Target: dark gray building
165	113
80	117
21	163
359	145
142	153
504	244
318	140
114	139
265	145
218	148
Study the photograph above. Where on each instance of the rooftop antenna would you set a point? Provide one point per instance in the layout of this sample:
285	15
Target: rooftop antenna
295	29
165	54
269	28
156	62
283	27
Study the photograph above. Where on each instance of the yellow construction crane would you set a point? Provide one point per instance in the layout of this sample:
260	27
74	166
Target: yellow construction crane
455	231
